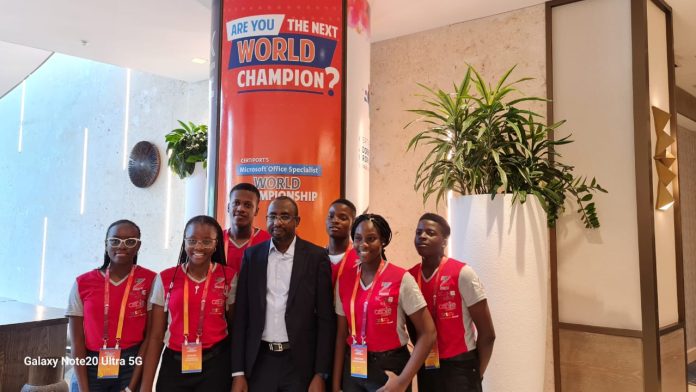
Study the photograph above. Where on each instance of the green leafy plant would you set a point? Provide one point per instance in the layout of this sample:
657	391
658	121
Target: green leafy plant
482	142
188	145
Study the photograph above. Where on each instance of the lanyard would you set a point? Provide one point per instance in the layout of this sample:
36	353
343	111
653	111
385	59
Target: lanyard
367	299
343	260
199	331
437	280
122	311
254	232
169	291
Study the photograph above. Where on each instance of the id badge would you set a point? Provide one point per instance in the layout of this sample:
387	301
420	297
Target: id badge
432	361
109	360
191	358
358	360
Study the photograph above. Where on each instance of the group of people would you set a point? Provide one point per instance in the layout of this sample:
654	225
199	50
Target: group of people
246	309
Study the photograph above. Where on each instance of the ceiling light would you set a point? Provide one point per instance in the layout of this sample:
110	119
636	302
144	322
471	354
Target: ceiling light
198	60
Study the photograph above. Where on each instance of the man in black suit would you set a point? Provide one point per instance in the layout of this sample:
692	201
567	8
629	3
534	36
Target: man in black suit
284	327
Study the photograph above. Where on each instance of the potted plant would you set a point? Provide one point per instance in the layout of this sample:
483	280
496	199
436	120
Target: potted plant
498	158
482	142
187	146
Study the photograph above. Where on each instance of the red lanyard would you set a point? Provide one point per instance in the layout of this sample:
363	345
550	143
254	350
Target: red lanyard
343	260
199	331
124	301
367	299
437	280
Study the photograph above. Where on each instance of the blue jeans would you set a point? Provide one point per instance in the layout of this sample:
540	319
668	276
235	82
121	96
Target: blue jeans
125	373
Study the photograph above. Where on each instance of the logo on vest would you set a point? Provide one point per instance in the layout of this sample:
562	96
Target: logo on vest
384	315
139	284
136	304
384	290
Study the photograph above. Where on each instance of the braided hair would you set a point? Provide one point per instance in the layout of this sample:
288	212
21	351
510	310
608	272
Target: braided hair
385	233
219	254
107	260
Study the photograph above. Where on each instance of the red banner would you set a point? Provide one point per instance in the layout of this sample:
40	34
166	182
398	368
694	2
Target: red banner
281	104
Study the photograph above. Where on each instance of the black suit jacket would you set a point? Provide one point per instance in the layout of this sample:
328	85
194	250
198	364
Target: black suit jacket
309	317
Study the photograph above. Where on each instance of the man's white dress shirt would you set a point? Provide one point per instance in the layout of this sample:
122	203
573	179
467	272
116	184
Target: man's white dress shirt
277	287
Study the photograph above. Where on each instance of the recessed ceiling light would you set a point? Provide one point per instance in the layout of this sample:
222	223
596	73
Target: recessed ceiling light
198	60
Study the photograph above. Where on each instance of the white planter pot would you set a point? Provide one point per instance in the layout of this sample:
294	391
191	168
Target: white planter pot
195	185
509	249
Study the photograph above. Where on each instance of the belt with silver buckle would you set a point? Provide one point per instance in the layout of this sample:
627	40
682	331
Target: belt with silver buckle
277	347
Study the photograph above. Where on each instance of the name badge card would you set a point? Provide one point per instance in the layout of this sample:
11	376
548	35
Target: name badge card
432	361
192	353
358	360
109	359
192	358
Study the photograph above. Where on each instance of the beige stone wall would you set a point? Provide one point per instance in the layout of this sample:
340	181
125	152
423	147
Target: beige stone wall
437	58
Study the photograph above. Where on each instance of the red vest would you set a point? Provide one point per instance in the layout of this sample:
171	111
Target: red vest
90	287
382	308
214	320
351	261
448	316
235	254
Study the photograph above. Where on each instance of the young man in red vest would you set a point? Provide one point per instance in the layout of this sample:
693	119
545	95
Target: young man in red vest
243	207
458	305
338	223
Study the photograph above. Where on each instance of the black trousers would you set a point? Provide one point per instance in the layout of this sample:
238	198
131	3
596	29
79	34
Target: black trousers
457	374
215	377
377	363
275	372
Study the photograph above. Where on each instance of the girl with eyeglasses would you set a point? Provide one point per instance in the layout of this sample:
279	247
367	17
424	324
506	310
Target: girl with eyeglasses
107	310
193	303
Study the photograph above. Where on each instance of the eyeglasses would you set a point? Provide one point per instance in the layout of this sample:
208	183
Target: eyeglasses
205	243
117	242
281	218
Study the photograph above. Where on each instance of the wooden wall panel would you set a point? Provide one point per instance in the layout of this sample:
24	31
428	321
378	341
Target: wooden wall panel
687	182
686	103
16	343
673	361
599	363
